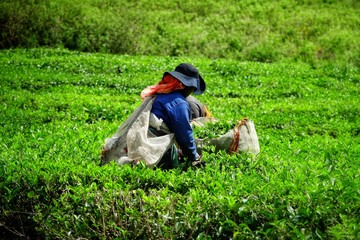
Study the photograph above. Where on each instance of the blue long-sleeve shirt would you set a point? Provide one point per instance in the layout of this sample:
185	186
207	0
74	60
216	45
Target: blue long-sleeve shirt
174	110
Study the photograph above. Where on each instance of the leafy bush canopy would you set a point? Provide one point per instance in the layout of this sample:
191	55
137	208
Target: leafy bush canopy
57	107
251	30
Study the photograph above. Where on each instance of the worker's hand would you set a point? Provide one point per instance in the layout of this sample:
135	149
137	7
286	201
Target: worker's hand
198	163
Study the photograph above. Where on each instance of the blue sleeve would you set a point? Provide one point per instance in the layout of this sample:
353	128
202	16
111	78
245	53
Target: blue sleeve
180	123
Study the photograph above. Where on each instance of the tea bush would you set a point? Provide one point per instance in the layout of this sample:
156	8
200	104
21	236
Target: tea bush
57	107
265	31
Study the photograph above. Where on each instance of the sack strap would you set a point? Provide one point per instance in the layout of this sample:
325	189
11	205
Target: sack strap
234	145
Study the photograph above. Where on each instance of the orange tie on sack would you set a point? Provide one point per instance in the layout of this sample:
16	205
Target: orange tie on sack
235	141
208	114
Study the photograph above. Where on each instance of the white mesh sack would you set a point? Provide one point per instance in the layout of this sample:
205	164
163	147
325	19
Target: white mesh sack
133	142
143	145
242	138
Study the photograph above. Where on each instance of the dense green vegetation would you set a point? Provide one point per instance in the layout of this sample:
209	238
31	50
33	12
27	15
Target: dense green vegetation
57	107
312	31
292	66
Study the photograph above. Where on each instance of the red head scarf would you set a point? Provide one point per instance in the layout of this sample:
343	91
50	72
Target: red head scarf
167	85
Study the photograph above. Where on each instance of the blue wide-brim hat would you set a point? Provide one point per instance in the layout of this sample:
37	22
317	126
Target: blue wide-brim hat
189	76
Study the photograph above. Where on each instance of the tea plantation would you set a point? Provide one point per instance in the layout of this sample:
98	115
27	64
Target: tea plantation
58	106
